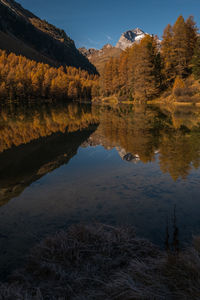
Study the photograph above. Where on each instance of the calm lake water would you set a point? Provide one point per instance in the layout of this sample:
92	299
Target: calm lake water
63	164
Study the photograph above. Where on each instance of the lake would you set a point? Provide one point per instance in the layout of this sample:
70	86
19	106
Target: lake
62	164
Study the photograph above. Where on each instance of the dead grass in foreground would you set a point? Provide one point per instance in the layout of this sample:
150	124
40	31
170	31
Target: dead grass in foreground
104	262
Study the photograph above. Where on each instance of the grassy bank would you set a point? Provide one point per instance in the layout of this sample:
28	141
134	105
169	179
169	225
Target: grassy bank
104	262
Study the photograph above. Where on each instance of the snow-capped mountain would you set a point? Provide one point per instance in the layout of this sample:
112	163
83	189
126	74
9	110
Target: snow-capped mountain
129	37
99	57
127	155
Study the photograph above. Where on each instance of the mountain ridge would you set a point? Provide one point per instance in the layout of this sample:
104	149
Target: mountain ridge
99	57
48	43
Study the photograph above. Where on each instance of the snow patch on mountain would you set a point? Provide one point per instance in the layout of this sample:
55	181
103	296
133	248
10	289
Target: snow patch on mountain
129	37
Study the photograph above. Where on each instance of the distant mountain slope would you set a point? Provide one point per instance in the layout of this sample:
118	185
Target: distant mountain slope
99	57
24	33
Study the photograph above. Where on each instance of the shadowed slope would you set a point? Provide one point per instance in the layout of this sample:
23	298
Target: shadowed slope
40	40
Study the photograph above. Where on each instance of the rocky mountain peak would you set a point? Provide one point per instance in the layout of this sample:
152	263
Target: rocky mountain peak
88	52
107	46
129	37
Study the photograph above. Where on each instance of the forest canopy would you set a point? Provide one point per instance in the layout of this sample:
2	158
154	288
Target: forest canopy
151	66
21	78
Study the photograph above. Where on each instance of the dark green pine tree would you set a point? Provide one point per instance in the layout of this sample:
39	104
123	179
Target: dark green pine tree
196	60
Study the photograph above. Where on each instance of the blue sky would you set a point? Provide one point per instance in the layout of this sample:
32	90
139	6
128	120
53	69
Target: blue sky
93	23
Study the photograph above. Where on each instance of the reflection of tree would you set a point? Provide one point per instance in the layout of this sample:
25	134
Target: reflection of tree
179	152
141	130
20	125
135	130
36	140
47	138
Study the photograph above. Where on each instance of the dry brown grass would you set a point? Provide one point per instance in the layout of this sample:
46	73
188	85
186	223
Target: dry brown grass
104	262
188	92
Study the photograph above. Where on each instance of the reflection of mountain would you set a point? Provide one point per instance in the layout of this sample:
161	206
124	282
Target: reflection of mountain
140	133
20	125
22	165
128	156
45	148
128	129
36	140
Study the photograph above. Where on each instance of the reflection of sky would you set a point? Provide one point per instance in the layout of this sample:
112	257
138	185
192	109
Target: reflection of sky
97	185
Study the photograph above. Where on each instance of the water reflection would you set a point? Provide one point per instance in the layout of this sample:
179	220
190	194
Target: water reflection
36	140
139	133
68	163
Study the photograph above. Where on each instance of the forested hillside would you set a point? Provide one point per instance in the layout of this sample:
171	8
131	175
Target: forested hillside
21	78
25	34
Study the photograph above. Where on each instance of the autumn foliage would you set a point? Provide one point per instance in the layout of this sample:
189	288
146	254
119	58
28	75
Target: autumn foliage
21	78
149	67
142	72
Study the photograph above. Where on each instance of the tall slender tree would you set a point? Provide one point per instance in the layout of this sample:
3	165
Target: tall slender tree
191	30
108	78
167	55
180	47
145	83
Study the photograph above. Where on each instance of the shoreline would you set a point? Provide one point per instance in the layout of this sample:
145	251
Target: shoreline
149	102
